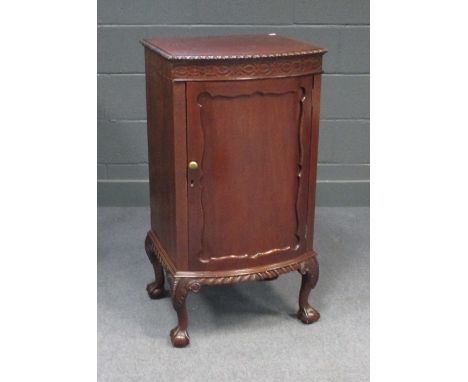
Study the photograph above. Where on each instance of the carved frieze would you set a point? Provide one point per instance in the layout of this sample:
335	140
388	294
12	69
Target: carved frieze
277	67
199	70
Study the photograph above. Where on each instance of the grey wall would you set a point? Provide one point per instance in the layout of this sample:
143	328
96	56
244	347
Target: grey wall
342	26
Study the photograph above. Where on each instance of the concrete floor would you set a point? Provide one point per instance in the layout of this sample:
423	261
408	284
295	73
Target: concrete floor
238	332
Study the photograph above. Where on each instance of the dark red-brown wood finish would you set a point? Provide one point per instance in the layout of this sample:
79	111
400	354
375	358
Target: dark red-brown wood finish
232	146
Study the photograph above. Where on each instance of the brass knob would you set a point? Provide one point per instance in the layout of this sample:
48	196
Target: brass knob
193	165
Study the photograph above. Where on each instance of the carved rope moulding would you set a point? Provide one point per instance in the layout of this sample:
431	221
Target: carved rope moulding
180	286
279	67
238	56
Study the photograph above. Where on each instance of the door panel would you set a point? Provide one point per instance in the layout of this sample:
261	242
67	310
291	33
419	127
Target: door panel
247	198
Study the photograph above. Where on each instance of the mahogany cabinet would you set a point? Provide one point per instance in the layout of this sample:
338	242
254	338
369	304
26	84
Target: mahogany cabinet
232	144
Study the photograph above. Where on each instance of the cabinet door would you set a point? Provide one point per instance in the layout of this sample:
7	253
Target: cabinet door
248	148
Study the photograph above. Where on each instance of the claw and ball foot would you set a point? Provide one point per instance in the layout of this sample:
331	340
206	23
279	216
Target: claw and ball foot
179	290
156	288
310	272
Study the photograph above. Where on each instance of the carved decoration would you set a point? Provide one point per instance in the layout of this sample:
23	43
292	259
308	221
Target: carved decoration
180	286
153	246
179	290
232	69
270	274
251	69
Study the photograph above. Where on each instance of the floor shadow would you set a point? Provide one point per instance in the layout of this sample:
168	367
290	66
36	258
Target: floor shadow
241	303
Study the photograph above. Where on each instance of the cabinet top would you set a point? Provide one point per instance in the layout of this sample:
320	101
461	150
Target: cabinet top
229	47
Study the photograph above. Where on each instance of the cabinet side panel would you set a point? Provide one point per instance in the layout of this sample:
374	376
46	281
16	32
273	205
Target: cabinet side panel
313	160
161	155
179	119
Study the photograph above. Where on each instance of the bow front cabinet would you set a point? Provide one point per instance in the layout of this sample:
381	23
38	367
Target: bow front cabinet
232	146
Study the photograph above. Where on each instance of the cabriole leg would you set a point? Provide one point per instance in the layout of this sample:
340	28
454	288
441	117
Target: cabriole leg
156	288
310	273
179	290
